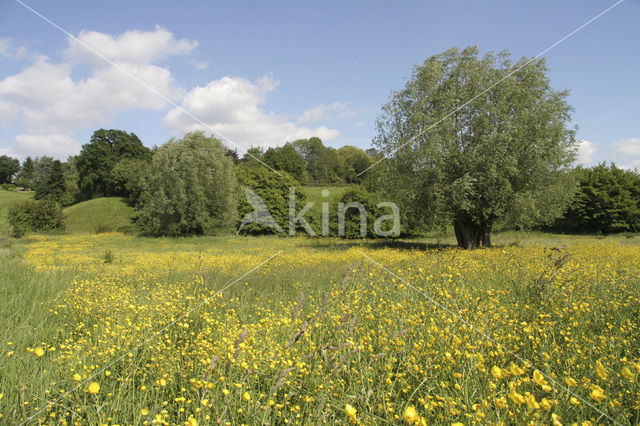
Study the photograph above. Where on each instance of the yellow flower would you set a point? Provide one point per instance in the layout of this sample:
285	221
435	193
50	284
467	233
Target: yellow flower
94	388
516	371
38	351
144	411
626	372
516	397
539	378
597	394
191	422
570	382
457	424
501	402
574	401
351	412
556	419
532	403
77	377
410	414
545	404
602	372
496	371
246	396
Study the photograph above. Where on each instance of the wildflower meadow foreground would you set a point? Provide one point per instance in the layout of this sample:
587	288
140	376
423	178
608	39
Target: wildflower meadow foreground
115	329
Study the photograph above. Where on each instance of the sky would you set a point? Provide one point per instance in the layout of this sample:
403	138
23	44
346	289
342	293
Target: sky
264	73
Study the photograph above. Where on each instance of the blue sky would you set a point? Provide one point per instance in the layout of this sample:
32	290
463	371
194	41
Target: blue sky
263	73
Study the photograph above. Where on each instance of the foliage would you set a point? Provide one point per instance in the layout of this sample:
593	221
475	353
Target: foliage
323	165
608	201
8	187
128	176
35	216
55	187
353	161
503	155
352	216
98	158
190	188
25	177
273	189
41	170
9	167
287	159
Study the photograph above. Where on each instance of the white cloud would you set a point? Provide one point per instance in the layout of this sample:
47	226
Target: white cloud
585	152
10	49
627	153
132	47
326	112
50	106
232	107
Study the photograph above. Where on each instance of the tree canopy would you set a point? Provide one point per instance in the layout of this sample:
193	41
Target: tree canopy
9	167
98	158
475	140
190	188
608	201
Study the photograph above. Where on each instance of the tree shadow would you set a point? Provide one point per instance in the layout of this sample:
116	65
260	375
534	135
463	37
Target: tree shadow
381	244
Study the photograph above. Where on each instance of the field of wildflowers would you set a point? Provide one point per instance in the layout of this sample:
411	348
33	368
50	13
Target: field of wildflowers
114	329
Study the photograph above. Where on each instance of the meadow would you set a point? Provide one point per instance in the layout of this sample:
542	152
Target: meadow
117	329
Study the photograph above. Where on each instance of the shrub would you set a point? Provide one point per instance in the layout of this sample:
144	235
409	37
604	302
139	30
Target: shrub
190	188
34	216
8	187
273	190
352	224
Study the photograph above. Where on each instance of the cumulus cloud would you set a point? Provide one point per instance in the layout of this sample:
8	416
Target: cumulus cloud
326	112
585	152
627	153
50	106
132	47
232	107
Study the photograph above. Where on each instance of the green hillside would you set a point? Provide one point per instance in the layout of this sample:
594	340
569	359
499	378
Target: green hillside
6	199
99	215
314	193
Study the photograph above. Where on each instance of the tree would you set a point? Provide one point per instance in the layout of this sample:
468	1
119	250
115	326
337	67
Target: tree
25	177
41	170
190	188
287	159
608	201
9	167
128	175
353	161
98	158
477	140
323	165
54	188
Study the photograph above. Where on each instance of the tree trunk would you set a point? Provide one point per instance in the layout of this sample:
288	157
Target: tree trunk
471	234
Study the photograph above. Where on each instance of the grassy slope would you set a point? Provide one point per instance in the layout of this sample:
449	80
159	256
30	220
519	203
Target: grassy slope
110	214
6	199
335	193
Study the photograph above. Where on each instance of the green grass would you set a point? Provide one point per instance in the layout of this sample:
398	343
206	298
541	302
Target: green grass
6	199
314	193
99	215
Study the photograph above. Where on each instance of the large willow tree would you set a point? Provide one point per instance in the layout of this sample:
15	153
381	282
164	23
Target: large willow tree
504	156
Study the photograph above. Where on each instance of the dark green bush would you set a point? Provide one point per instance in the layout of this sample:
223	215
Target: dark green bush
273	190
35	216
8	187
